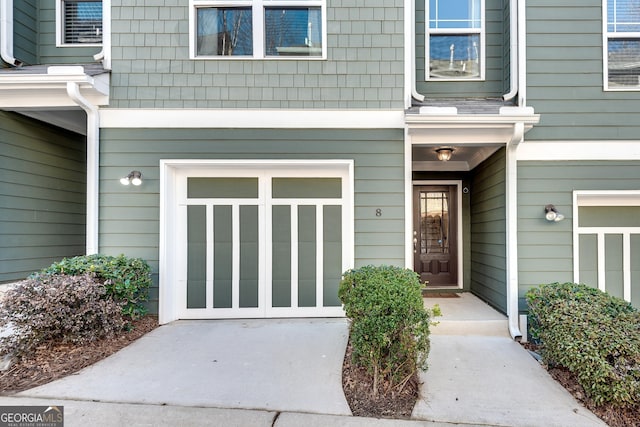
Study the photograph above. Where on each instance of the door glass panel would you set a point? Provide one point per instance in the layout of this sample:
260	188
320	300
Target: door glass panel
281	256
332	255
196	256
222	256
249	256
434	222
222	188
309	188
306	256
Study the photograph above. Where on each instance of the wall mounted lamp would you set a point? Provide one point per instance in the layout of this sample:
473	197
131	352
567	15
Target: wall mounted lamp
552	214
444	153
134	177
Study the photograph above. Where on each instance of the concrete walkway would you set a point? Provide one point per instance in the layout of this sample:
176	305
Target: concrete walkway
285	373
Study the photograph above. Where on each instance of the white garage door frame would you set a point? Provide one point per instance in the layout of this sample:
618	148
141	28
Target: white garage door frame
172	257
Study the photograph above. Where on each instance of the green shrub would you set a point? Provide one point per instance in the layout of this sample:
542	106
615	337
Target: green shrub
126	279
57	308
594	335
389	324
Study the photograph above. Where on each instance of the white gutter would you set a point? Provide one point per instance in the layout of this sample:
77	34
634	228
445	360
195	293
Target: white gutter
512	230
513	51
6	32
93	153
410	54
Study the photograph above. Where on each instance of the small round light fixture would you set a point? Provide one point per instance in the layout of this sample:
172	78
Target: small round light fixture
444	153
134	177
552	214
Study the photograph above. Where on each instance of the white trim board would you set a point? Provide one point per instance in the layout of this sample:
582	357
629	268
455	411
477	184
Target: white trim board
253	119
579	150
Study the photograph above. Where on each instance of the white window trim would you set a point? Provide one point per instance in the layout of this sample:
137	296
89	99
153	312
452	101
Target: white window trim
606	35
483	45
605	198
258	7
60	28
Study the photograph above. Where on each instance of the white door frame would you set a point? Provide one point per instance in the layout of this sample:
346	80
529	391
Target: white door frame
172	257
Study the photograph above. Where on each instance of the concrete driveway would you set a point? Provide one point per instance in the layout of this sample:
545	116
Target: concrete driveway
276	364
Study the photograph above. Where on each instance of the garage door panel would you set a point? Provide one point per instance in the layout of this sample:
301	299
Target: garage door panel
196	257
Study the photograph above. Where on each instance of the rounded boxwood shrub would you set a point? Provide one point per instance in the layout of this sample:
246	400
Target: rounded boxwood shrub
57	308
389	324
126	280
593	334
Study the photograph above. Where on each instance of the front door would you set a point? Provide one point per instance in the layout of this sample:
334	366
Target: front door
435	234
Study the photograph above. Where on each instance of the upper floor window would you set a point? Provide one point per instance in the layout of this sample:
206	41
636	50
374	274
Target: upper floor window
79	22
622	44
455	40
257	28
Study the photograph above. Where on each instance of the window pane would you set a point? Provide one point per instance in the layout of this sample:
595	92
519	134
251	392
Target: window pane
454	56
293	31
82	22
224	31
624	62
623	15
454	14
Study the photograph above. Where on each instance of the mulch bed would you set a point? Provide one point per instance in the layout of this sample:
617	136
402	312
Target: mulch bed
357	385
54	361
610	414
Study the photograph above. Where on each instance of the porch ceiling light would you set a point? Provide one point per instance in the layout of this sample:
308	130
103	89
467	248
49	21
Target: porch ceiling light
134	177
552	214
444	153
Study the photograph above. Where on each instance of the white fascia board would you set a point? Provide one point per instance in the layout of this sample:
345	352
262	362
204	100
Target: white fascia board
255	119
579	150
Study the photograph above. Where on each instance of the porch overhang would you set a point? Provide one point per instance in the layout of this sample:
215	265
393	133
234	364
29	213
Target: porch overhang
42	87
444	126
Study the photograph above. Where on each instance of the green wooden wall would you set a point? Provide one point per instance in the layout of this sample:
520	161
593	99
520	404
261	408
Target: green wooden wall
25	38
488	231
545	249
42	195
497	57
364	66
129	216
565	72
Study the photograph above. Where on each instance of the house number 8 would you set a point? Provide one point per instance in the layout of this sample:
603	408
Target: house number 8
378	212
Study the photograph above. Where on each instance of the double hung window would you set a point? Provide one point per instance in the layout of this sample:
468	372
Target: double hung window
455	40
257	28
621	44
79	22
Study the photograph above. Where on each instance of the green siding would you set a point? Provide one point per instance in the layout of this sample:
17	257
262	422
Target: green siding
364	65
565	75
545	248
129	216
25	36
488	232
42	195
496	62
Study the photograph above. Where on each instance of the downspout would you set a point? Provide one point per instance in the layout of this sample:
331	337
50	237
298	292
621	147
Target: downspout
105	54
410	54
513	51
522	53
6	35
93	153
512	230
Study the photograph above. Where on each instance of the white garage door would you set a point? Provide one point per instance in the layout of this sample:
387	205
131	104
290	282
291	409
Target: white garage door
260	240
